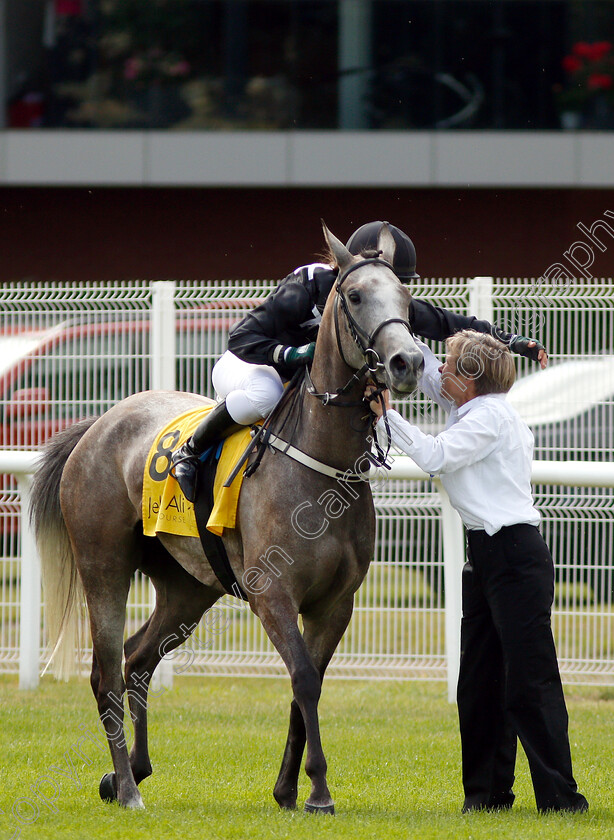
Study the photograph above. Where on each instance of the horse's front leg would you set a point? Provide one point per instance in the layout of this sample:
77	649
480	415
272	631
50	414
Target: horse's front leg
279	618
322	635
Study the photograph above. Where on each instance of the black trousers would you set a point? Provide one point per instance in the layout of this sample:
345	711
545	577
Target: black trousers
509	684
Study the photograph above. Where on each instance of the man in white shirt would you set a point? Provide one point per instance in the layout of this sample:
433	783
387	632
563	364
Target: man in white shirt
509	684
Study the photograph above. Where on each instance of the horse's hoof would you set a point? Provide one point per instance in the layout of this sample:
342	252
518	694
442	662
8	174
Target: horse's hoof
287	802
135	804
319	809
108	788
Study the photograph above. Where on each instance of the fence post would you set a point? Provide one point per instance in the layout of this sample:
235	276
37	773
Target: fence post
30	594
163	356
453	558
480	298
480	305
162	336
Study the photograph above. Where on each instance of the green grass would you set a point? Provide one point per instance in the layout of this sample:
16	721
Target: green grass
216	744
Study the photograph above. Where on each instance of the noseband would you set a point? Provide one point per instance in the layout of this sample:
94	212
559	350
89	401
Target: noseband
363	340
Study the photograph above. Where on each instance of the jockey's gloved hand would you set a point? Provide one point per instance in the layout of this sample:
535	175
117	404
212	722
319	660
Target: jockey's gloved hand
519	344
295	357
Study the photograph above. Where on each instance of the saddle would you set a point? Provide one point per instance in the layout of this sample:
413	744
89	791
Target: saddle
165	508
219	480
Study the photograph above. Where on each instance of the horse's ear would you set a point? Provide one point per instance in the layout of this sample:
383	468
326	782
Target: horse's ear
386	243
338	250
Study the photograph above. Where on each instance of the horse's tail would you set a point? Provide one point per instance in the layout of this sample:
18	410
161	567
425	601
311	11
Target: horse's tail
61	583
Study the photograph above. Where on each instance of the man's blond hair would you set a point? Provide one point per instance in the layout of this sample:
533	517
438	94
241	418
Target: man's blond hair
484	359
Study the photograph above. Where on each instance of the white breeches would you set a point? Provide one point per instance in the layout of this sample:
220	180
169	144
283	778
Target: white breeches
250	391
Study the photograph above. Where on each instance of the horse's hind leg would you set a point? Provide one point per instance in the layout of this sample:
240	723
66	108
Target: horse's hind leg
108	784
137	697
106	599
180	603
321	635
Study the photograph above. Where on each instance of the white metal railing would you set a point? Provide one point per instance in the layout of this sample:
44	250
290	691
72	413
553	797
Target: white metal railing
23	464
400	627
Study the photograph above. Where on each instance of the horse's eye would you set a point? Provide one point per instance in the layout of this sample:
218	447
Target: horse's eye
354	297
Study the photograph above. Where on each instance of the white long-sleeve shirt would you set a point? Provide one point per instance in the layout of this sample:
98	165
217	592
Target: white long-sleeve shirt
483	456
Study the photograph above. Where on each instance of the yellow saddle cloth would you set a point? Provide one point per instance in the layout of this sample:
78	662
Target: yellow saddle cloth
165	508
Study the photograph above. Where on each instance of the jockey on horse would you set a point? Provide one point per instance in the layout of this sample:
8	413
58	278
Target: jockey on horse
274	339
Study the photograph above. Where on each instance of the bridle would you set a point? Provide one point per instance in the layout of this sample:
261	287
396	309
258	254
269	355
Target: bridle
264	438
363	340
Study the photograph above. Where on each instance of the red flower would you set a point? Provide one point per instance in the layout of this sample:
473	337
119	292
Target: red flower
591	52
589	69
571	64
583	50
600	81
69	7
600	50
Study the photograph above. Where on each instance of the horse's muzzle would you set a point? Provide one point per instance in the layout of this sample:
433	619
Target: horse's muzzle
404	370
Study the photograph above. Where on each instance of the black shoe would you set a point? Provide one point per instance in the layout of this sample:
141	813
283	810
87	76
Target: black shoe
469	809
184	468
579	806
493	805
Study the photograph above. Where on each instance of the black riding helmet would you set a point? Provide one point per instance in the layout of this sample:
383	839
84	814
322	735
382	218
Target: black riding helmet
365	239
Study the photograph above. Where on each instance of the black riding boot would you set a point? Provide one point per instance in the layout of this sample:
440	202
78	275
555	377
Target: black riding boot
218	424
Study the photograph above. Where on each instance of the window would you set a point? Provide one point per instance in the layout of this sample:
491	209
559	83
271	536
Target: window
300	64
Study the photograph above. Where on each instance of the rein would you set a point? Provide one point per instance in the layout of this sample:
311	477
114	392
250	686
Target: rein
261	433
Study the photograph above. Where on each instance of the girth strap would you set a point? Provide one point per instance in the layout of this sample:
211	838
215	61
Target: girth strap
213	546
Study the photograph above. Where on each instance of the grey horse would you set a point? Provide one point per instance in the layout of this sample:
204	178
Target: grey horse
86	509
